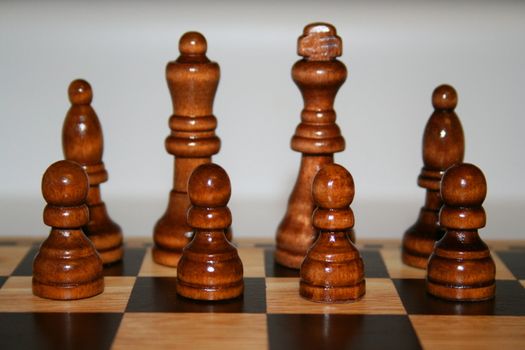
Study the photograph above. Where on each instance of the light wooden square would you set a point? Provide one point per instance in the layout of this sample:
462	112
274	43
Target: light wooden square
282	296
395	266
252	261
17	296
192	331
10	257
469	332
151	269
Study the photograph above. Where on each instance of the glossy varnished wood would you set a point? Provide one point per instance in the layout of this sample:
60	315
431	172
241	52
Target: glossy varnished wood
461	267
192	81
67	265
210	267
319	75
82	142
443	146
332	270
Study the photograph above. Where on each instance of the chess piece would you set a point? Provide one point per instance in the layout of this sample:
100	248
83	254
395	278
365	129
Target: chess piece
67	265
192	81
210	268
443	146
82	142
318	75
461	268
332	270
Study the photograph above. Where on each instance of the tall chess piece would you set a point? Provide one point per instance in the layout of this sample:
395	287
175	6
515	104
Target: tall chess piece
210	268
192	81
82	142
461	268
443	146
67	265
319	75
333	271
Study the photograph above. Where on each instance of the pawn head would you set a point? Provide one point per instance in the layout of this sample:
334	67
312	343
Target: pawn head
444	97
319	42
80	92
192	43
209	186
65	184
463	185
333	187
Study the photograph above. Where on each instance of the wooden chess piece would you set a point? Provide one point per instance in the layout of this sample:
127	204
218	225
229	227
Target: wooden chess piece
82	142
443	146
210	268
333	271
319	75
192	81
67	265
461	267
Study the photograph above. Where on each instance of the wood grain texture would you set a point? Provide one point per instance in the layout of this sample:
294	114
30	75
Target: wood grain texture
192	81
252	261
214	331
142	312
151	268
10	257
114	299
82	142
443	146
282	296
469	332
319	75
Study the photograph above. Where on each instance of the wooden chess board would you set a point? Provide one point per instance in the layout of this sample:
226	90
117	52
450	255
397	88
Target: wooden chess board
140	309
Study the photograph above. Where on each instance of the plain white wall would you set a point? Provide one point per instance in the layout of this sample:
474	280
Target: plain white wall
396	53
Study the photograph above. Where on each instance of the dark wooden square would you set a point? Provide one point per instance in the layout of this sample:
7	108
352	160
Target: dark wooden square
273	269
374	264
158	294
129	265
508	301
58	330
329	331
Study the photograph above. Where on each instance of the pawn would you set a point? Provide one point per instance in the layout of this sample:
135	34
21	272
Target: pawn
82	142
209	268
461	267
67	265
443	146
333	271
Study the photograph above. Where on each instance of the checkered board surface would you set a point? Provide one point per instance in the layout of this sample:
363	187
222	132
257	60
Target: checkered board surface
139	308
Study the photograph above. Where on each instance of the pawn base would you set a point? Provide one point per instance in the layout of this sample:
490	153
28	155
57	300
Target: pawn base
323	294
111	256
289	259
461	293
166	257
417	248
68	292
108	245
204	293
413	259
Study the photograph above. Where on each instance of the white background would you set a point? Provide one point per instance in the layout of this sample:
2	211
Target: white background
396	54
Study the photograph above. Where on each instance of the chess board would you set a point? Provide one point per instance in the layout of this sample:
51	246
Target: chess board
140	309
